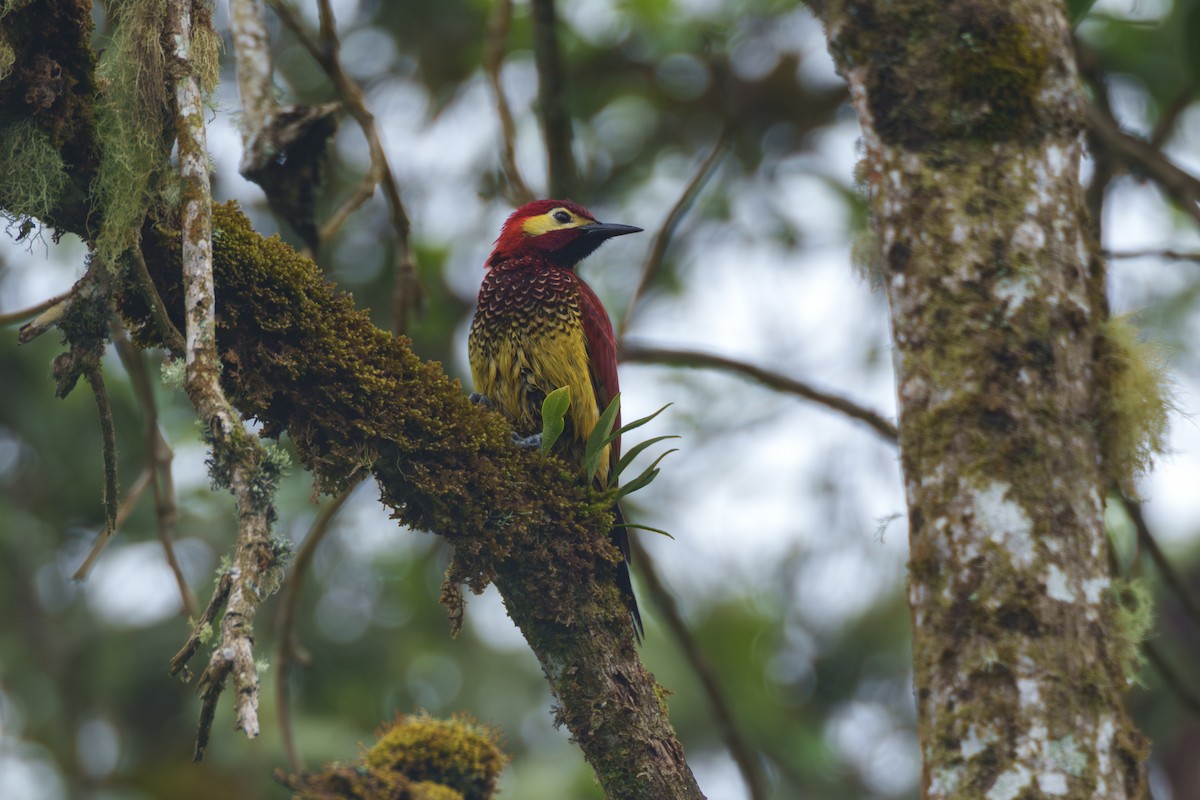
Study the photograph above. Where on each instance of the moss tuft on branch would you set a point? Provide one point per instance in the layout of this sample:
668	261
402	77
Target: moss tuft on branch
1135	402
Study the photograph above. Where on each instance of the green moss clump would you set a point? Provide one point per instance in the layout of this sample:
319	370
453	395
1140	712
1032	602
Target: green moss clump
458	753
34	175
1130	612
1134	400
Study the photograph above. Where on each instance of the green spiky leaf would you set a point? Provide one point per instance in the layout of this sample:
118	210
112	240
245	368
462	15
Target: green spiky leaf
634	452
641	527
554	409
599	438
643	480
637	423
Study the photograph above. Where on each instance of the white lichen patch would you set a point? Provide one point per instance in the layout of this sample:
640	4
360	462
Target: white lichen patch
1057	587
1010	783
1052	783
1015	291
1065	755
1093	588
1031	693
974	743
1029	236
1004	522
944	782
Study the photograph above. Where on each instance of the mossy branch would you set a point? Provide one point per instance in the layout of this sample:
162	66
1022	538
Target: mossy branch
297	356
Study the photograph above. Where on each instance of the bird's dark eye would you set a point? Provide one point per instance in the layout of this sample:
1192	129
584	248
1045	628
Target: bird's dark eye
562	217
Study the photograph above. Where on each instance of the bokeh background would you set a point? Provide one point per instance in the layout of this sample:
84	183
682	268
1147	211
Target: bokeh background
789	549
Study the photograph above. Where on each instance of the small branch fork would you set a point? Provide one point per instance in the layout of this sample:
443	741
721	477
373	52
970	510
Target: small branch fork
407	294
234	452
493	63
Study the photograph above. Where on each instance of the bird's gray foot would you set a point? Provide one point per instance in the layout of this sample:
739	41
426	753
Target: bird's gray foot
480	400
531	442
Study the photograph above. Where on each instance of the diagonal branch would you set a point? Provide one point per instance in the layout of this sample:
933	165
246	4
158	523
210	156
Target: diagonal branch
694	358
556	123
290	650
663	238
744	755
1170	577
1139	156
158	453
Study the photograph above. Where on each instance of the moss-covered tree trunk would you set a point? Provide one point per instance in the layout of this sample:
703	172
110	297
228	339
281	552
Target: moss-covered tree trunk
971	115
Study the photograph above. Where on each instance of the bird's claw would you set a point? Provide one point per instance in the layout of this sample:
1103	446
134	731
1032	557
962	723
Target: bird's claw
530	442
480	400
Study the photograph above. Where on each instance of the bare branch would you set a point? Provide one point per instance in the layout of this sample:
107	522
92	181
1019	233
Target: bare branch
252	47
1166	123
108	435
1167	254
8	318
238	459
663	238
158	456
407	294
1181	186
694	358
290	650
743	754
1171	678
493	63
556	123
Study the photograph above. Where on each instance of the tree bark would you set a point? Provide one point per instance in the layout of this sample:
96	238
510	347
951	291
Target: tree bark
972	116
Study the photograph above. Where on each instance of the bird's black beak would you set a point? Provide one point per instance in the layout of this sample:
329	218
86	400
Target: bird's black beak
607	230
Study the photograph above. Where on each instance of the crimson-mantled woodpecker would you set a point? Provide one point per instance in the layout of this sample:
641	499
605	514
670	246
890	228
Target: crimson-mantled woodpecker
539	327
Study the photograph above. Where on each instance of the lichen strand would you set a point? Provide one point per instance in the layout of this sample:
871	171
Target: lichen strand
966	70
46	96
1018	636
135	126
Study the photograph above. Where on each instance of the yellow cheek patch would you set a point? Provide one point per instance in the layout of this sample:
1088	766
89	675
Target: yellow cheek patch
544	223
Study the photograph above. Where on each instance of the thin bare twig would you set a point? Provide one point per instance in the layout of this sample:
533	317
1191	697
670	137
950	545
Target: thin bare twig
158	460
1172	680
1170	255
556	123
108	435
662	239
695	358
1170	577
290	650
104	537
407	294
158	310
10	317
1166	123
1181	186
743	754
493	63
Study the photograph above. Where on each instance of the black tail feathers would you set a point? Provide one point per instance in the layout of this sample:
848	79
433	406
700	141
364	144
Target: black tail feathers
620	537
